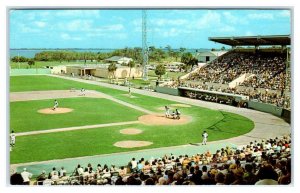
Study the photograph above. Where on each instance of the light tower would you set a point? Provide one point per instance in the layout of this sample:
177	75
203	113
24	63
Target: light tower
144	46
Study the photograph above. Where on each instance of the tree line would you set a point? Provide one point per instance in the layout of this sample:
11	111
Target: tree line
156	55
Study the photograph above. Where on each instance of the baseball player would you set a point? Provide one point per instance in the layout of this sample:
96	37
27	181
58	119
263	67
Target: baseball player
82	91
177	112
167	109
55	104
204	137
12	140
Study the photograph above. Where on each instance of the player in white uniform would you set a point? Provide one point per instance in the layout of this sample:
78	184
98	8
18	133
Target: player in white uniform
12	140
82	91
204	136
55	104
167	109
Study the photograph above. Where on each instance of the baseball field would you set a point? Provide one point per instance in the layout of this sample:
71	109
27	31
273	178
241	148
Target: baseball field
103	120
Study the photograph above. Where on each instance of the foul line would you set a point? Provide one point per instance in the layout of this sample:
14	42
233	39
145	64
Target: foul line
76	128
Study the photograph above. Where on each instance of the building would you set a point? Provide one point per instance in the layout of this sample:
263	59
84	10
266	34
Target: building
119	60
101	71
204	57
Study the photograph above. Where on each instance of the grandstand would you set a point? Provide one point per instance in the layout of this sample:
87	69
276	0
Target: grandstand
259	162
256	67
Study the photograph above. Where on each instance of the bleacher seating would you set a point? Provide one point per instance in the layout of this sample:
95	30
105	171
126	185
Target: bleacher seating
253	163
268	81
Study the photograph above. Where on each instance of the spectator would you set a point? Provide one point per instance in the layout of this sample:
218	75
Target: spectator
26	176
220	178
16	179
40	179
133	165
267	176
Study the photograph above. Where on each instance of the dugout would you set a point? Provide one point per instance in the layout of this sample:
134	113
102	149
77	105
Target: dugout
214	96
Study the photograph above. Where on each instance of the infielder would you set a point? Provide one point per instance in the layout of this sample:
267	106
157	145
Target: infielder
82	91
55	104
167	109
204	136
177	112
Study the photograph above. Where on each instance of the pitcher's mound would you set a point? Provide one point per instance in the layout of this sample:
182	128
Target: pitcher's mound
131	131
162	120
56	111
132	144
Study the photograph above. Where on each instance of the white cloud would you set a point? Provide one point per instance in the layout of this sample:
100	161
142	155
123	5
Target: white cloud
230	18
285	13
163	22
113	27
78	13
40	24
249	33
137	22
26	29
210	18
108	35
88	26
76	25
66	36
227	28
269	16
44	13
170	32
95	34
120	35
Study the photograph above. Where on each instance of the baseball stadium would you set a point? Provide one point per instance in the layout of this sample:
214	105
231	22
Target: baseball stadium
92	124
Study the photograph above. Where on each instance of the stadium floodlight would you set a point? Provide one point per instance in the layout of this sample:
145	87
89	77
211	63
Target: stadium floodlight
144	44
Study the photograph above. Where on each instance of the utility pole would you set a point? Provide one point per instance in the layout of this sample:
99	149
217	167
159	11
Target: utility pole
144	44
19	60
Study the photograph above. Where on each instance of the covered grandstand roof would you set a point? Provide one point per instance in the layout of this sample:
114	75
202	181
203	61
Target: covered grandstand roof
253	40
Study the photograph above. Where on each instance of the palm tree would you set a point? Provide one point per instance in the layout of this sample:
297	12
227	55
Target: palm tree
131	64
182	50
112	69
176	55
169	49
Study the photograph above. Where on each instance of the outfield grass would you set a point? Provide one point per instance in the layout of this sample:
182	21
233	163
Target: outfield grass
220	125
87	111
100	140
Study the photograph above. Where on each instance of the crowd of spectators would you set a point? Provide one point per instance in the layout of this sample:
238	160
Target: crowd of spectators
265	66
267	162
267	79
265	96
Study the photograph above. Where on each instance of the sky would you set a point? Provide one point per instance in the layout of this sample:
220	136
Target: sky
123	28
